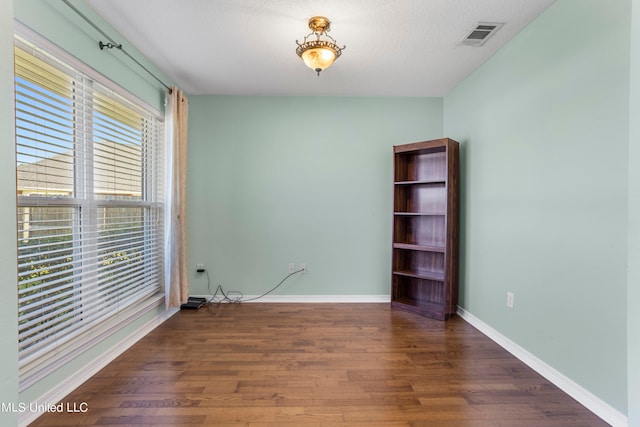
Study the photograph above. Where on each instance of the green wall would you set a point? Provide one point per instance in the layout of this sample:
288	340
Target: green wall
274	180
633	292
8	269
544	131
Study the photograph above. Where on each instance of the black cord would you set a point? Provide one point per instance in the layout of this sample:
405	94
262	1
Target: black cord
208	287
225	298
239	299
275	287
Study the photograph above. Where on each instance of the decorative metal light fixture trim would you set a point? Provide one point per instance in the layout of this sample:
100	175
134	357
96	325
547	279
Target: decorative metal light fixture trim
318	54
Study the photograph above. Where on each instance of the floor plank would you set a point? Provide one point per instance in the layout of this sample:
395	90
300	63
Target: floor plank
262	365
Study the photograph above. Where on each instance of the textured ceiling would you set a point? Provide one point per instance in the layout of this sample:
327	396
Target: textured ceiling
247	47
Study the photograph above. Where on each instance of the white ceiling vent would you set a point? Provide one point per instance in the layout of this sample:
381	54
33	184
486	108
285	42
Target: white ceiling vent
480	33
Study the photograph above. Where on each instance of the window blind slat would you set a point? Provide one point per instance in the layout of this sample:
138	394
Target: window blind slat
33	142
53	116
42	101
138	278
26	122
106	129
69	334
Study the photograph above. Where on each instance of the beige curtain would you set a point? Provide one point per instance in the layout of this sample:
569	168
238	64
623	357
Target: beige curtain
176	286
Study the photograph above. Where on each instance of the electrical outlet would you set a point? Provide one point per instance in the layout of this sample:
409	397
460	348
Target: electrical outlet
292	267
199	268
303	267
510	299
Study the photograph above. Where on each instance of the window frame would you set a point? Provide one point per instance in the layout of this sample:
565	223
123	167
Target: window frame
85	207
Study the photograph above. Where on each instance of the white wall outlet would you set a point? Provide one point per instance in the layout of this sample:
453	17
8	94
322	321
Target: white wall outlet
292	267
510	299
303	267
199	268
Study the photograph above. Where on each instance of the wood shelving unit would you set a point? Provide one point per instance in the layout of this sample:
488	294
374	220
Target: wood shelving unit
424	275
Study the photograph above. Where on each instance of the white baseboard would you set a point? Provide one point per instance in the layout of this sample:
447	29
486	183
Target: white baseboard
324	298
587	399
58	393
313	298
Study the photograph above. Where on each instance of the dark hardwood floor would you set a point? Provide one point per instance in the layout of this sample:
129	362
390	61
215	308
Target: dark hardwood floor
318	365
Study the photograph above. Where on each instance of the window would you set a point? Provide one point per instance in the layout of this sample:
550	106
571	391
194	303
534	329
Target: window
90	216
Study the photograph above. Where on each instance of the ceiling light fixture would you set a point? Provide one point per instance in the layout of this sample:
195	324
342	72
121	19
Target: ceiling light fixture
318	54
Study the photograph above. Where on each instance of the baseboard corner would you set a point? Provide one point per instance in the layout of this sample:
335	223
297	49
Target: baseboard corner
596	405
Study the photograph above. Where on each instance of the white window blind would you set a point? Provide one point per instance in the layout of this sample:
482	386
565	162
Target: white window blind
90	215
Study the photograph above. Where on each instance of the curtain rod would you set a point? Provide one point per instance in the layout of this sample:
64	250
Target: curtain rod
112	43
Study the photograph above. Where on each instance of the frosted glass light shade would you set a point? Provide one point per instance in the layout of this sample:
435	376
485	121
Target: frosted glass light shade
318	59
